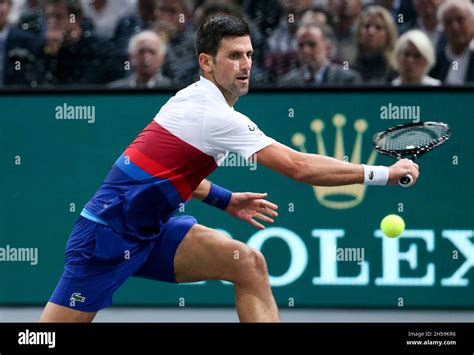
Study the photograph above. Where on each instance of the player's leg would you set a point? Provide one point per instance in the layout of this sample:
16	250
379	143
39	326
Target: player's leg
208	254
98	262
56	313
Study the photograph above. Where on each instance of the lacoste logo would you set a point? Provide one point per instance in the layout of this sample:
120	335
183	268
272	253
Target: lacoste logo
371	175
76	297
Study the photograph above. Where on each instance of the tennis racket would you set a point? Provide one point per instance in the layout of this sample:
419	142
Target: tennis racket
411	141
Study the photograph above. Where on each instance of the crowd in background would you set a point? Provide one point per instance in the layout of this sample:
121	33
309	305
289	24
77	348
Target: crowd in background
297	43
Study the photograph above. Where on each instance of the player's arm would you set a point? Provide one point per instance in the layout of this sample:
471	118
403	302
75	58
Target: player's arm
247	206
321	170
202	190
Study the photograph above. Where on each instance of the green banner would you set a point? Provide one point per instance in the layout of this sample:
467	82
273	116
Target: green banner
324	250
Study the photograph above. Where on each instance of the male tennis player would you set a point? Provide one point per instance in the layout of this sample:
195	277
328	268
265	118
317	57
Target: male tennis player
126	229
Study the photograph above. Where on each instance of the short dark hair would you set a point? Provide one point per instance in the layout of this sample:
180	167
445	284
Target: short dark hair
73	6
211	32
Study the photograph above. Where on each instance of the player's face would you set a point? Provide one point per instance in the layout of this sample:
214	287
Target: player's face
232	64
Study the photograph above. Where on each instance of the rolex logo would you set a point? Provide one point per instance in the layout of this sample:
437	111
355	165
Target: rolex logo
338	197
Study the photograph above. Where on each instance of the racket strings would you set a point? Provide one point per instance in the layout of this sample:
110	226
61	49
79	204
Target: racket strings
411	137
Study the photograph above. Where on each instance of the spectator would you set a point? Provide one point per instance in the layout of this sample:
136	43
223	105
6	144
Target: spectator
173	22
376	38
282	38
426	21
314	46
129	26
265	14
105	14
455	62
346	13
71	53
317	15
17	51
414	57
402	11
31	16
146	52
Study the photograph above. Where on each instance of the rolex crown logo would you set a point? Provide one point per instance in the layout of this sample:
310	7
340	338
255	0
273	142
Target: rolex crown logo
338	197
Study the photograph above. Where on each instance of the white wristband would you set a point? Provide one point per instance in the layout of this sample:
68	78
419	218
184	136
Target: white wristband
375	175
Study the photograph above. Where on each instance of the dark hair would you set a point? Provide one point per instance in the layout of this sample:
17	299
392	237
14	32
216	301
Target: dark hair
73	6
215	8
326	30
211	32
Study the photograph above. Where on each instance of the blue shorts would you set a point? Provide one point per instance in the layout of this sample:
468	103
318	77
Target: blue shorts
99	261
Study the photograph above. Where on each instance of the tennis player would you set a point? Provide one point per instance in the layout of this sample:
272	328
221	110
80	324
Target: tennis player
128	229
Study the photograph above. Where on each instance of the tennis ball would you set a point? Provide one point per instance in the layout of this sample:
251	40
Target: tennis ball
392	225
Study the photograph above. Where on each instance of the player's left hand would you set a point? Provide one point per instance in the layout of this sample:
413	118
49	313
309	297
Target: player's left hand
249	206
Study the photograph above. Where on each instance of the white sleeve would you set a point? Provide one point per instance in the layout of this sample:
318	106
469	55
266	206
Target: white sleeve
234	133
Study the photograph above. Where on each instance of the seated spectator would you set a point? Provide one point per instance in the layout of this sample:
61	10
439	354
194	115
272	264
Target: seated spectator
173	22
317	15
376	38
455	62
105	14
426	21
282	38
29	15
346	13
17	51
71	53
413	58
402	11
129	26
314	45
146	52
282	46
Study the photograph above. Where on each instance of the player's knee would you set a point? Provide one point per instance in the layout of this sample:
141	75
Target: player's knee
252	266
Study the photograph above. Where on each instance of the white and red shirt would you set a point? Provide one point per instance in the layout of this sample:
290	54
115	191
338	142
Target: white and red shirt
187	140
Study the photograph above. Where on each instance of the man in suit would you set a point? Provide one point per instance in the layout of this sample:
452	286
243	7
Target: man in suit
146	52
17	51
455	62
314	68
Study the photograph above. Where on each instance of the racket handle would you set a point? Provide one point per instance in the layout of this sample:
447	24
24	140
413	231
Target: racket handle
406	181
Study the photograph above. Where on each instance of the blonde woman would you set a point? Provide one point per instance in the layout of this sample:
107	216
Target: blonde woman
376	36
414	56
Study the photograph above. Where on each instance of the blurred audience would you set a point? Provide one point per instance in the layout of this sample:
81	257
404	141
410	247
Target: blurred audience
146	52
89	42
426	21
376	36
72	53
282	38
174	23
18	50
402	11
414	56
105	14
455	62
314	68
346	14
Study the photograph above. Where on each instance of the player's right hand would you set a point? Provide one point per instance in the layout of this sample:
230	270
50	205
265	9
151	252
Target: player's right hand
400	169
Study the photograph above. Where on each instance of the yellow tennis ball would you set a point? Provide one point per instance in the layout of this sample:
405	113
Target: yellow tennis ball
392	225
